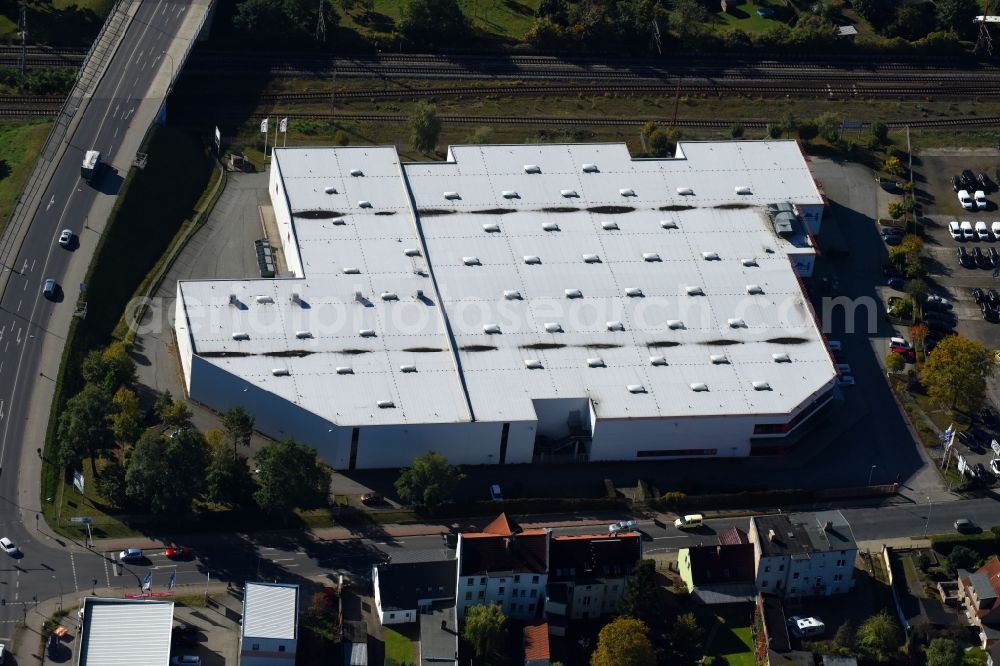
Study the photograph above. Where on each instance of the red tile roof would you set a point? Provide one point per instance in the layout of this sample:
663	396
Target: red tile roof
504	546
502	526
713	565
536	641
733	536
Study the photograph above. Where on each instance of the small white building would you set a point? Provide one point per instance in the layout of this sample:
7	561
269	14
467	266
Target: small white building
125	631
270	624
404	590
802	555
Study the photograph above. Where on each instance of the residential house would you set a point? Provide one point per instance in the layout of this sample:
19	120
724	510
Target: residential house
269	635
720	574
587	575
505	565
772	644
980	593
536	644
799	555
406	589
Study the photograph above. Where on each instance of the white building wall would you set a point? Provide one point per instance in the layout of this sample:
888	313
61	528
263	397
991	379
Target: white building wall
267	651
183	337
621	439
283	218
462	443
514	597
788	577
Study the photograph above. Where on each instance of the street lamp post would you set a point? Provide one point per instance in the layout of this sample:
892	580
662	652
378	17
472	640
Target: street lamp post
927	521
870	473
59	582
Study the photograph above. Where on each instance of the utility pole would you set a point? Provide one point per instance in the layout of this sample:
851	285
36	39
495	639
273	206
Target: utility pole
22	27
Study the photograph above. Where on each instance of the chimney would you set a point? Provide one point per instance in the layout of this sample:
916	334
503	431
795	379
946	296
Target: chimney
771	535
828	526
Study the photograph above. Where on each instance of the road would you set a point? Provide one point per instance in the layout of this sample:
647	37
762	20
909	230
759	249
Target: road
27	318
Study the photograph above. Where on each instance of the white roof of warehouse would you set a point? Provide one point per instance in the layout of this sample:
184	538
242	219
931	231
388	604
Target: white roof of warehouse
270	610
478	216
123	632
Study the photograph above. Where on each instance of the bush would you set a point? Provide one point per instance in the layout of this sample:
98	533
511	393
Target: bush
984	544
673	498
609	489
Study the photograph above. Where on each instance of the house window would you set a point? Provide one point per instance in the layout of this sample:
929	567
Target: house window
255	646
482	581
838	577
795	576
795	590
481	594
586	601
763	583
534	593
392	616
468	596
614	588
781	567
841	563
517	579
470	581
281	648
534	579
767	569
501	590
531	608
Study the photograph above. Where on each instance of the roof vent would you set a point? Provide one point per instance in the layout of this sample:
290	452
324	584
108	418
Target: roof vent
633	292
553	327
569	194
657	360
615	326
357	172
351	270
359	297
532	364
234	300
294	297
748	262
491	329
532	168
710	256
367	333
419	294
626	192
239	335
279	372
491	228
345	370
650	256
761	386
512	294
737	323
591	259
590	168
510	194
573	293
452	195
303	335
338	221
264	300
386	404
407	368
718	359
609	226
636	388
364	204
595	362
675	324
330	189
411	252
694	291
754	289
389	296
668	224
532	259
743	189
685	191
781	358
471	261
698	386
550	226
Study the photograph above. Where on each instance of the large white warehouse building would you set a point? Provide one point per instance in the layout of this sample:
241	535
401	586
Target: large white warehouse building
524	303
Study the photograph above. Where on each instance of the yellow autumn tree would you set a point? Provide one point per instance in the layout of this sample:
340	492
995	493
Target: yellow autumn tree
624	642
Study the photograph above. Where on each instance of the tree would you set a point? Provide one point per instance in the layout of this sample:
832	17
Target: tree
429	482
430	24
879	636
623	642
84	428
660	144
163	403
808	131
944	652
425	127
639	598
877	12
896	209
126	418
165	475
917	290
878	132
687	640
893	165
955	374
961	557
177	415
290	476
111	484
109	368
844	638
228	479
957	15
895	362
486	631
828	125
239	427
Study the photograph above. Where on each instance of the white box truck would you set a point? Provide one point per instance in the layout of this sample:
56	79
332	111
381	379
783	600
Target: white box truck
91	162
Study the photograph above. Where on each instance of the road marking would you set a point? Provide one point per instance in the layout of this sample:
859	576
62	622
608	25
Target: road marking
115	114
19	302
72	562
289	566
1	410
32	266
51	201
136	82
24	268
283	559
25	287
107	574
116	132
19	336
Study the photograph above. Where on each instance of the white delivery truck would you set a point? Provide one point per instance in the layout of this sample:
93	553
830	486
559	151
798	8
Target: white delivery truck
91	162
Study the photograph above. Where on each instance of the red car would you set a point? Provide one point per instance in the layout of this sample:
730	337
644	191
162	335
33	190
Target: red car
908	354
178	553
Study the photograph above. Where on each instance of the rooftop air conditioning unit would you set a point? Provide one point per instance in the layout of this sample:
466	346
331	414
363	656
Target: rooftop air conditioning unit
737	323
743	189
385	404
351	270
364	204
718	359
234	300
591	259
695	291
650	256
512	295
550	226
491	228
675	324
636	388
491	329
510	194
754	289
357	172
532	168
303	335
626	192
261	300
761	386
471	261
345	370
781	358
532	364
590	168
710	256
668	224
411	252
407	368
330	189
451	195
633	292
748	262
338	221
615	326
367	333
698	387
241	336
568	194
389	296
595	362
279	372
532	259
573	293
685	191
609	226
657	360
553	327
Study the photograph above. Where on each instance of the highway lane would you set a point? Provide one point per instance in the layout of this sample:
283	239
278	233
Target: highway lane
25	315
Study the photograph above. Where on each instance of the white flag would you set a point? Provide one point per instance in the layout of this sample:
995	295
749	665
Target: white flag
147	583
263	126
283	125
172	581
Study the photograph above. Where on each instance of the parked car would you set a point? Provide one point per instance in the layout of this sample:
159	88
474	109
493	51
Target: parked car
955	230
935	302
992	297
988	417
941	317
908	355
690	521
834	345
978	295
956	183
966	227
980	198
899	343
178	553
937	325
372	498
806	627
971	442
982	231
979	471
995	466
184	635
969	179
994	256
966	200
984	181
9	547
66	238
49	288
982	259
623	526
965	258
965	526
130	555
995	228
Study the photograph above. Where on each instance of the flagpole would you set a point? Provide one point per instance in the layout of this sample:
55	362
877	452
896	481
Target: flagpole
266	123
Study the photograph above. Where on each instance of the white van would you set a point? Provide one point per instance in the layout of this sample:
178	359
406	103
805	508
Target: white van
690	521
804	627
